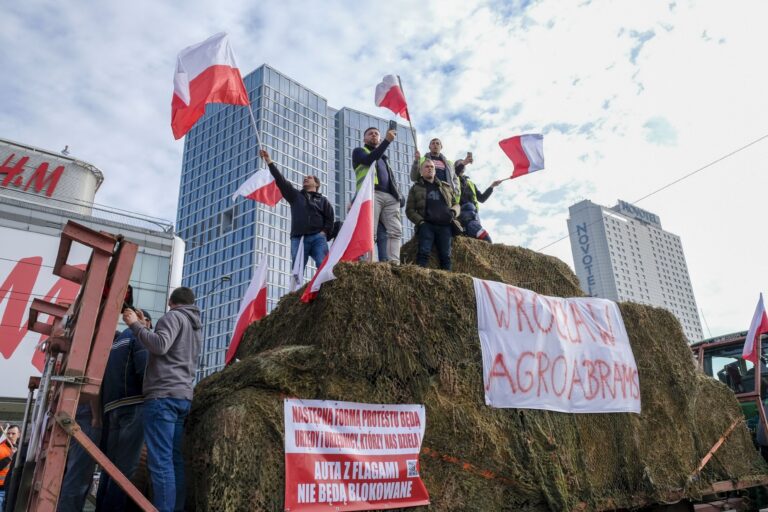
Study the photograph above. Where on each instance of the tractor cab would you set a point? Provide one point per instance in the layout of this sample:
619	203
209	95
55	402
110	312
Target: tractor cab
720	358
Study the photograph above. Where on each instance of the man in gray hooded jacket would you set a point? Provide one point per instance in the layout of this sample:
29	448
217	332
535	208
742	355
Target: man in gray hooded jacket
173	349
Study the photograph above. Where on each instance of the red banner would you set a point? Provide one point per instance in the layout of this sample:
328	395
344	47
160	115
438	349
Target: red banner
352	456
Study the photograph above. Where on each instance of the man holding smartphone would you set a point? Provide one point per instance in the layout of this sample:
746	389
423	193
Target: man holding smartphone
443	167
387	201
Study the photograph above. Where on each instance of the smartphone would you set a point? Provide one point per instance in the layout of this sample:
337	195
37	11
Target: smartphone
392	125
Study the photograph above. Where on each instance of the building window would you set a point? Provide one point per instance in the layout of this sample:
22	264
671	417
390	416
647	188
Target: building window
226	221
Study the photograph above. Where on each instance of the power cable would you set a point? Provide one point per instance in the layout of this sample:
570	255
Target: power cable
678	180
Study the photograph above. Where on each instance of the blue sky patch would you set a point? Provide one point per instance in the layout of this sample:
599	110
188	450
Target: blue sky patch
660	132
555	196
564	128
469	121
642	38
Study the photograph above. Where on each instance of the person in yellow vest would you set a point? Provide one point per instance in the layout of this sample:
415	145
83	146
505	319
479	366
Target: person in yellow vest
470	200
387	200
7	449
443	167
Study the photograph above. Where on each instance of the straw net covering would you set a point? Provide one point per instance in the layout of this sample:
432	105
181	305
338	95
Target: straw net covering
385	334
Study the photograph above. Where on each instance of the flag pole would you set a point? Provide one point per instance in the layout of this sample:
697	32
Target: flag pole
255	129
374	227
413	132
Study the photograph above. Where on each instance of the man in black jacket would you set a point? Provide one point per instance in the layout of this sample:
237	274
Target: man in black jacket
122	402
311	214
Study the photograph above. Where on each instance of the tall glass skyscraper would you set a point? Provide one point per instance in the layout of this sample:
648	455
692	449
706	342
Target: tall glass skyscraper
226	239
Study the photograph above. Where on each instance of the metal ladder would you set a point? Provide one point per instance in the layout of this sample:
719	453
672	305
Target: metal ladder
79	340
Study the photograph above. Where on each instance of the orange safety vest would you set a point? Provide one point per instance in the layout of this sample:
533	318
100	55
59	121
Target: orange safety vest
6	454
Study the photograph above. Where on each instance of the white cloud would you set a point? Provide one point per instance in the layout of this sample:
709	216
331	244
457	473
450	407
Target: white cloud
634	96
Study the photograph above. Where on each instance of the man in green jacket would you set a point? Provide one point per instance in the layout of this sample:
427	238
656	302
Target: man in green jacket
433	208
443	167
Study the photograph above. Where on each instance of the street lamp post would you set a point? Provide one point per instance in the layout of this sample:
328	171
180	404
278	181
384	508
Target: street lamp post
201	367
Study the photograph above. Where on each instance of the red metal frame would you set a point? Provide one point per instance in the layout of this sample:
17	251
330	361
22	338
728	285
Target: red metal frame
81	336
73	429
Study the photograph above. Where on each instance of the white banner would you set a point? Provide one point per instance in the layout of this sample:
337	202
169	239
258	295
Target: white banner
567	355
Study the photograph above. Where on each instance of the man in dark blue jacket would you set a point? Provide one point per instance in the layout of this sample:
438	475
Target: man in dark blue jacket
122	405
311	214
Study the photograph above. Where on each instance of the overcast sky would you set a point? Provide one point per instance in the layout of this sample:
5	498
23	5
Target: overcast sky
630	97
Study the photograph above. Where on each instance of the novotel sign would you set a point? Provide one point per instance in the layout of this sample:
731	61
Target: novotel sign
638	213
585	257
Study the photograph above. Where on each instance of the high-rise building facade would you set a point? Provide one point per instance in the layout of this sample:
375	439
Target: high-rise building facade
226	239
623	254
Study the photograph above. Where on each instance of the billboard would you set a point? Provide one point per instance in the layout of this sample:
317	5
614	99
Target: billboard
26	273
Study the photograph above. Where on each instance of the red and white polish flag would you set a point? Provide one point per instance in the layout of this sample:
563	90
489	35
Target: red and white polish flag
390	95
253	307
758	327
297	274
355	238
260	187
205	73
526	153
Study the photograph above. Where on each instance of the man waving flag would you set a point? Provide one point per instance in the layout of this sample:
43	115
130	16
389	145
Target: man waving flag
355	237
205	73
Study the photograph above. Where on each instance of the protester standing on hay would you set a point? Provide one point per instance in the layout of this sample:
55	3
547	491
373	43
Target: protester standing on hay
469	201
443	167
433	208
387	200
173	349
311	214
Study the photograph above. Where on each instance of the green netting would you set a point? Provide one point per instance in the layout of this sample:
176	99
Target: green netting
385	334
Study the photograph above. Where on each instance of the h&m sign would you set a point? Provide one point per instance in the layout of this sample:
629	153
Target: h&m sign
40	180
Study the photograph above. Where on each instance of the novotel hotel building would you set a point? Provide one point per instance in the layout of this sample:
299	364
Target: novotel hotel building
623	254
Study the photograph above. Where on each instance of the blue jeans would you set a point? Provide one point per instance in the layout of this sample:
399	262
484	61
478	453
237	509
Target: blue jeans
381	242
125	438
78	476
441	236
2	500
163	432
314	245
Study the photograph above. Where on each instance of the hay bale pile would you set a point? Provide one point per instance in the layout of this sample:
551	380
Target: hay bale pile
507	264
385	334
